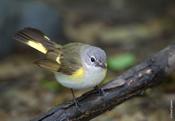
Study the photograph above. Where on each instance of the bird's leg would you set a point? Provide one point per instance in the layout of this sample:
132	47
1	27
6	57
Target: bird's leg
100	90
74	99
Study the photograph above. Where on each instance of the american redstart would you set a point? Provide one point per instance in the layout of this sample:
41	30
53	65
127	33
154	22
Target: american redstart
75	65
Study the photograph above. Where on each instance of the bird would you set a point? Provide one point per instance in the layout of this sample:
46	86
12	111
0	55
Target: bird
75	65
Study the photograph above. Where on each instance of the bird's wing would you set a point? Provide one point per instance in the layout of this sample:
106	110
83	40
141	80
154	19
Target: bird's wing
71	60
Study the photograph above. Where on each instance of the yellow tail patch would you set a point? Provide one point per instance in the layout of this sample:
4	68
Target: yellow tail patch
46	37
38	46
78	74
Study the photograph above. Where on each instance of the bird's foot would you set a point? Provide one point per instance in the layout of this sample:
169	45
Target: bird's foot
77	105
100	91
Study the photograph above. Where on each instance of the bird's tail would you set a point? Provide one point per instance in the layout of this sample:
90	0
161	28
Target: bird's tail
36	39
39	41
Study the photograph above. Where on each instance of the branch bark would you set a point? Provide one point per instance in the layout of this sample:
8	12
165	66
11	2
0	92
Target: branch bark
147	74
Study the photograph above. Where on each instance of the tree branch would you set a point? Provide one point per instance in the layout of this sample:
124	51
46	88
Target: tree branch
143	76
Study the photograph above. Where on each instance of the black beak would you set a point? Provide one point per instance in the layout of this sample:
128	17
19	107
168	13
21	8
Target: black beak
102	65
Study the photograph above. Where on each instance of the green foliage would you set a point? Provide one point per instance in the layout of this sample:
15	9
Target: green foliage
121	62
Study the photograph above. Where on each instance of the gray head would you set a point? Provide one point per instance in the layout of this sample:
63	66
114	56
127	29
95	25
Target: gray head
94	56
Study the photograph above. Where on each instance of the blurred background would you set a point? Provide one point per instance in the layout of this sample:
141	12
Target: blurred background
129	31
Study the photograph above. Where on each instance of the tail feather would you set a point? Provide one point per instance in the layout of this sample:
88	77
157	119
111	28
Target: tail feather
35	39
48	64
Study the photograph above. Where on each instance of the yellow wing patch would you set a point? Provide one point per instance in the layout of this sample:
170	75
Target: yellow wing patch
78	74
58	59
37	46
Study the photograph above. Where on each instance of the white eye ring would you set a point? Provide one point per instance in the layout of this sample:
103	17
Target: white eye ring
92	59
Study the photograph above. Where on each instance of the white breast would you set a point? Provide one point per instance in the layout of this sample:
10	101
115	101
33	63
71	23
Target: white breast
93	76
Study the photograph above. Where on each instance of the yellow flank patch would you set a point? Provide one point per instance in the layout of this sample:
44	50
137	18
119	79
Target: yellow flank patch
37	46
78	74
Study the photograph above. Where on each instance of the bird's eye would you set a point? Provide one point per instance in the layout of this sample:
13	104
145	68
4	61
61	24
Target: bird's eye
92	59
